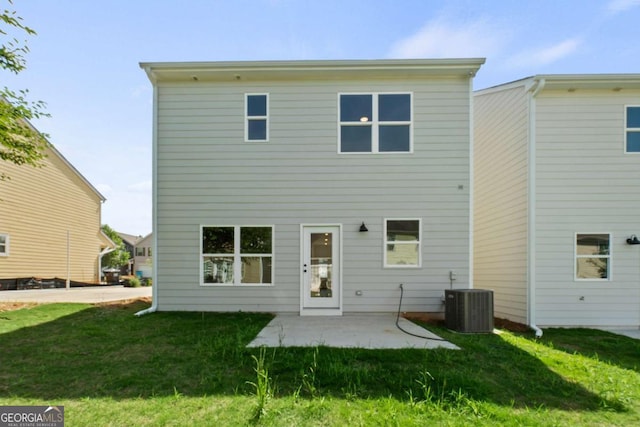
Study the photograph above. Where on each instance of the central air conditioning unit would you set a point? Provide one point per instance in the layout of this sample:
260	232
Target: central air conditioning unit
469	310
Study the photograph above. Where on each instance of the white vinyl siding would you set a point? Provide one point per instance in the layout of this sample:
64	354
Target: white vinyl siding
500	192
585	182
205	177
4	244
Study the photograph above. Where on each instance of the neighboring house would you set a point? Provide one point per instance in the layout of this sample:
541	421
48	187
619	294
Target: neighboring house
314	187
50	222
129	241
557	196
142	260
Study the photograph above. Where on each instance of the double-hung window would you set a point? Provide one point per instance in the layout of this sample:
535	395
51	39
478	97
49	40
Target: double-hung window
256	117
593	256
4	244
237	255
632	129
402	243
375	123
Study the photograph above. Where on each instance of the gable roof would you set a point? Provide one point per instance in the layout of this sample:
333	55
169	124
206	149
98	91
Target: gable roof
64	160
301	70
129	238
75	171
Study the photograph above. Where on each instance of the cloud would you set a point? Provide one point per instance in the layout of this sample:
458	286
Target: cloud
546	55
105	189
617	6
141	187
140	91
442	39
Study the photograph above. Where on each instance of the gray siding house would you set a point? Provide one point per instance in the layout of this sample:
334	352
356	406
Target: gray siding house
311	187
557	197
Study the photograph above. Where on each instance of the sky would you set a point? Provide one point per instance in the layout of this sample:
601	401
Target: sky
83	62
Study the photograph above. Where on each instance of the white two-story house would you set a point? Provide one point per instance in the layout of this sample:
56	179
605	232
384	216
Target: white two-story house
312	187
557	199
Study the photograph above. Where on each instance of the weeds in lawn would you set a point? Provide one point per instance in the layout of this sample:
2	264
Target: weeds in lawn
263	385
173	368
309	377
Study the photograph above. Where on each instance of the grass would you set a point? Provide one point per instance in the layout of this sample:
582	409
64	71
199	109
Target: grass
109	368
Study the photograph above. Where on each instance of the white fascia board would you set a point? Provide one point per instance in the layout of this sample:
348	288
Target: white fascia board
292	70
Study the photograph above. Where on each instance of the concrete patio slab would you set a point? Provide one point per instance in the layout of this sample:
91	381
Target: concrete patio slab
370	331
88	294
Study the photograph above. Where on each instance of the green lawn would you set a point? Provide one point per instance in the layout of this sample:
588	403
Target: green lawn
108	367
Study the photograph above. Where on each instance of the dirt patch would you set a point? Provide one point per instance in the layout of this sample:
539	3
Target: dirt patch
510	326
436	319
11	306
126	301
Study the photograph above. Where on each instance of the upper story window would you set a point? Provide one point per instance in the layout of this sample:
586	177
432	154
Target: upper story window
632	130
4	244
256	117
593	256
402	243
375	123
237	255
139	251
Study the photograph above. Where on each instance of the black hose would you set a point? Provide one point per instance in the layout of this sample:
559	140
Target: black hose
407	332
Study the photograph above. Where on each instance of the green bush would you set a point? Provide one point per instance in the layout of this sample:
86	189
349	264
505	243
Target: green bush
133	282
147	281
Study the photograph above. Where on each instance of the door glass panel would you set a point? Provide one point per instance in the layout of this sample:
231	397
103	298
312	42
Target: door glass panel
321	265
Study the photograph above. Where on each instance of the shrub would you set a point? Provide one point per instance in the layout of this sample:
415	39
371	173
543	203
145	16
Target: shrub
133	282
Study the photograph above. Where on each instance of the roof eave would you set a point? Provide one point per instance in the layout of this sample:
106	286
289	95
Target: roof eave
257	70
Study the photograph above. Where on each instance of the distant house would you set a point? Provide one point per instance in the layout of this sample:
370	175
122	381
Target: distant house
50	223
313	187
557	199
142	260
129	241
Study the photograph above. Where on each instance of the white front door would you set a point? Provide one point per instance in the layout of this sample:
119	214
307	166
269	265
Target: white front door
321	270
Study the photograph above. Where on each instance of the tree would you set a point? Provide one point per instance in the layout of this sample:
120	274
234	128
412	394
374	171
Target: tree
119	257
20	143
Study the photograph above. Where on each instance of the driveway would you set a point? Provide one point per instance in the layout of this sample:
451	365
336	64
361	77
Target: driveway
88	294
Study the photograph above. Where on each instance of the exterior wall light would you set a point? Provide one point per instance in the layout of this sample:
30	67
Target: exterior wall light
633	240
363	228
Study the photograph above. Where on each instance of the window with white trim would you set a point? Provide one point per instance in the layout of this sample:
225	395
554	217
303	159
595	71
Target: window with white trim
375	123
4	244
632	129
237	255
593	256
402	243
256	117
139	251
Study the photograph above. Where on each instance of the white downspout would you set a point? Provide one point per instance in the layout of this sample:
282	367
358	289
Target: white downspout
68	282
471	185
154	215
531	229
